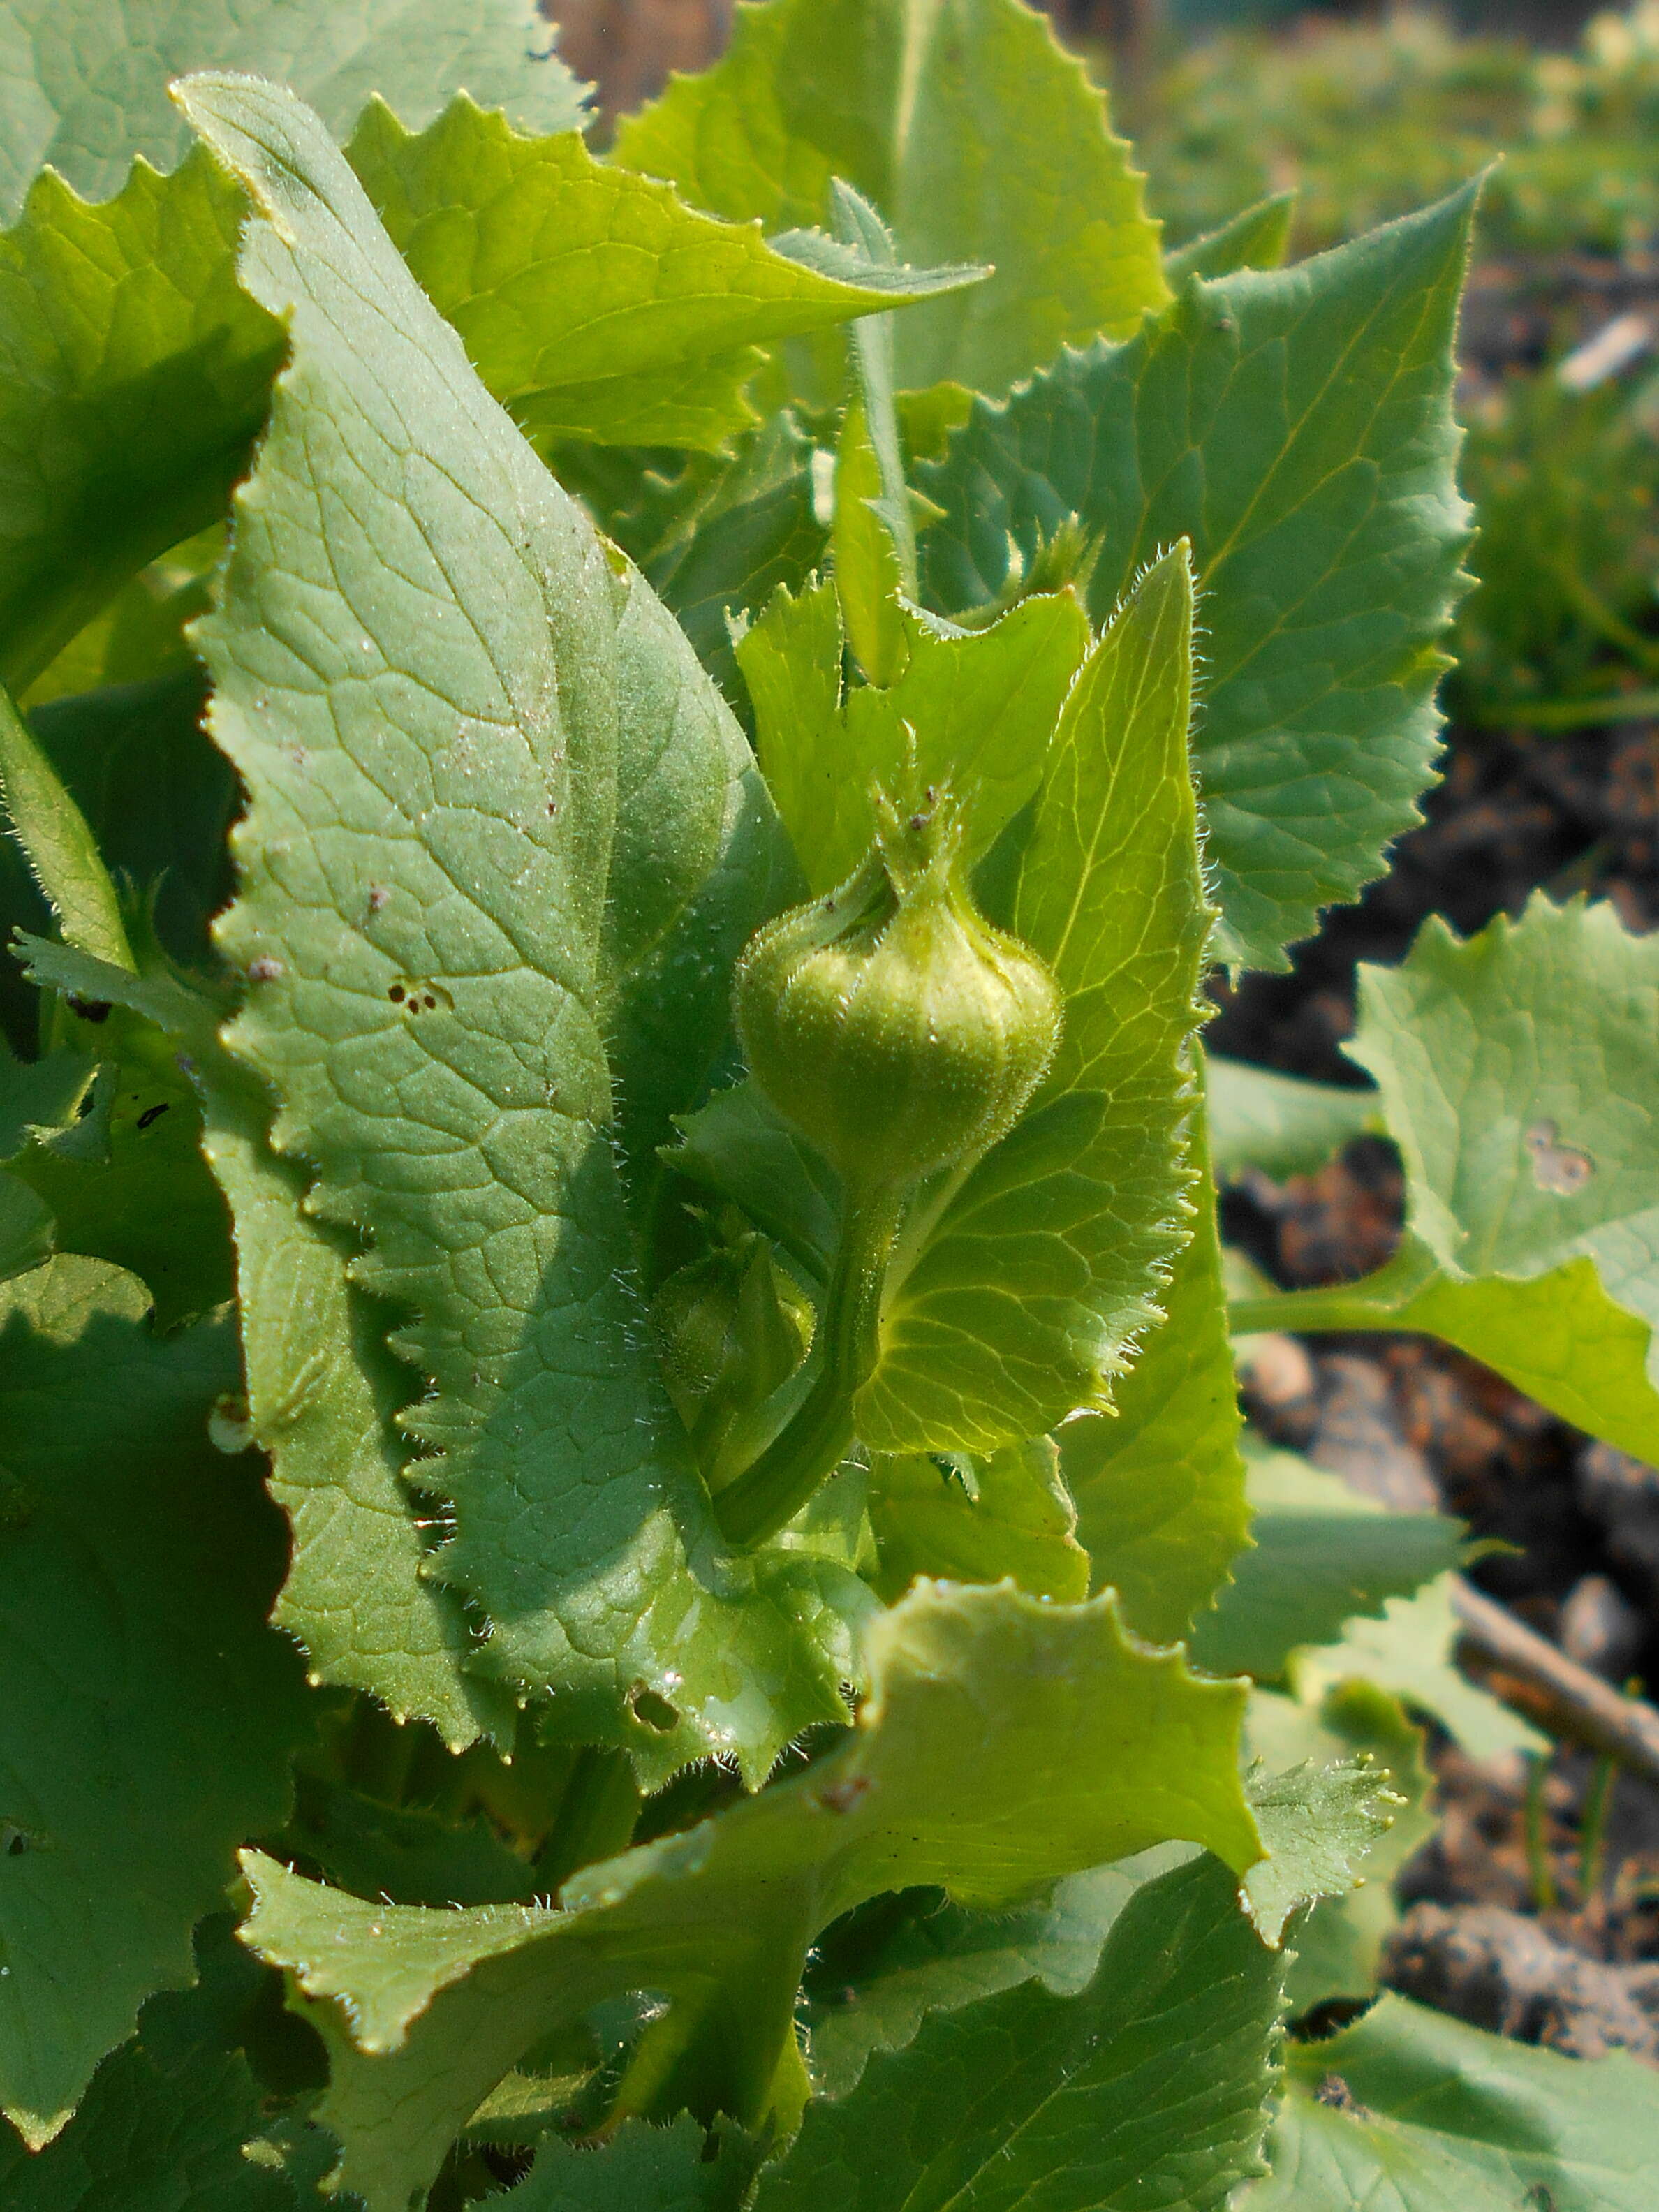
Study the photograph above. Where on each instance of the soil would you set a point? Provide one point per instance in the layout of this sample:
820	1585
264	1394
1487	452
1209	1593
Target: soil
1514	1938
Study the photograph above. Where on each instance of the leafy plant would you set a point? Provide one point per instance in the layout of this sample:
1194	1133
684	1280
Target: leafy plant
669	1145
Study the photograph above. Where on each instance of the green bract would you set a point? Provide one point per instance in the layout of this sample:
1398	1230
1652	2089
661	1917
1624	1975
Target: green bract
627	1393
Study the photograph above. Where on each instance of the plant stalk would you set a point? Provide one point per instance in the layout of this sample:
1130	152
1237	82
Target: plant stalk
812	1443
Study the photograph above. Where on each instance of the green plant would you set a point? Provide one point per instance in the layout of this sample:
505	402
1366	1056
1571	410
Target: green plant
405	1276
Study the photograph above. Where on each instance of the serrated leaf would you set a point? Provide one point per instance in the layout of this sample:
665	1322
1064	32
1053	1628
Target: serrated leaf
1339	1944
1257	238
1006	1742
84	85
153	2138
420	670
963	123
322	1393
1296	426
1150	2086
1159	1484
1321	1554
1409	2111
1017	1520
1408	1650
1280	1124
149	1714
1320	1823
979	710
594	302
1021	1286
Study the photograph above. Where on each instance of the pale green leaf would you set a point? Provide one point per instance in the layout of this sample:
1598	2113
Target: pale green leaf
1409	2111
865	557
1281	1124
1408	1650
970	132
421	667
1021	1283
1319	1823
1339	1944
1296	426
1517	1072
1321	1554
1257	238
1005	1743
592	301
1558	1338
1017	1521
1159	1484
150	1713
1149	2087
84	83
978	709
322	1393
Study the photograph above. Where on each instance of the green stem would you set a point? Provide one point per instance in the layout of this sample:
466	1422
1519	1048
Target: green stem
768	1494
1379	1302
1593	1828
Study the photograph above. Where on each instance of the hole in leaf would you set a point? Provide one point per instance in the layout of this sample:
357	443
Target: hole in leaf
653	1709
1562	1169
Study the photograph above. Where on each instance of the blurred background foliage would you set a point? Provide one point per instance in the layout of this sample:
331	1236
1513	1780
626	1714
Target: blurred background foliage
1367	115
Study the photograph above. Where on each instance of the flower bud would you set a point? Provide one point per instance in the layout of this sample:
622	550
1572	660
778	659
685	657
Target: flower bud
889	1021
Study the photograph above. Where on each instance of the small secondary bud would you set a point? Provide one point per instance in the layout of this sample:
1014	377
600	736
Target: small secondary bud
889	1022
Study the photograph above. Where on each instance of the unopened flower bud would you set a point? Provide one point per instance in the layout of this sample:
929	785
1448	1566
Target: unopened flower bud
889	1022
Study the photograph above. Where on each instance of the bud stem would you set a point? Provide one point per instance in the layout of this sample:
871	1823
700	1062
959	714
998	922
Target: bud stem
817	1436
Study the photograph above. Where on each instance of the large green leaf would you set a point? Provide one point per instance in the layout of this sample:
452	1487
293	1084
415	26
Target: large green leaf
1159	1484
973	135
322	1394
149	1713
976	710
83	84
1322	1553
640	2169
1149	2087
1004	1741
1023	1283
1296	426
1409	2111
594	303
421	667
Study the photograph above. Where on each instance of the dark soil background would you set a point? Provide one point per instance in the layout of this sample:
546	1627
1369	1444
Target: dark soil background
1510	1937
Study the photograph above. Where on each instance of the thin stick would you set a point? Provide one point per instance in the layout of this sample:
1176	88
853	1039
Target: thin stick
1580	1704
